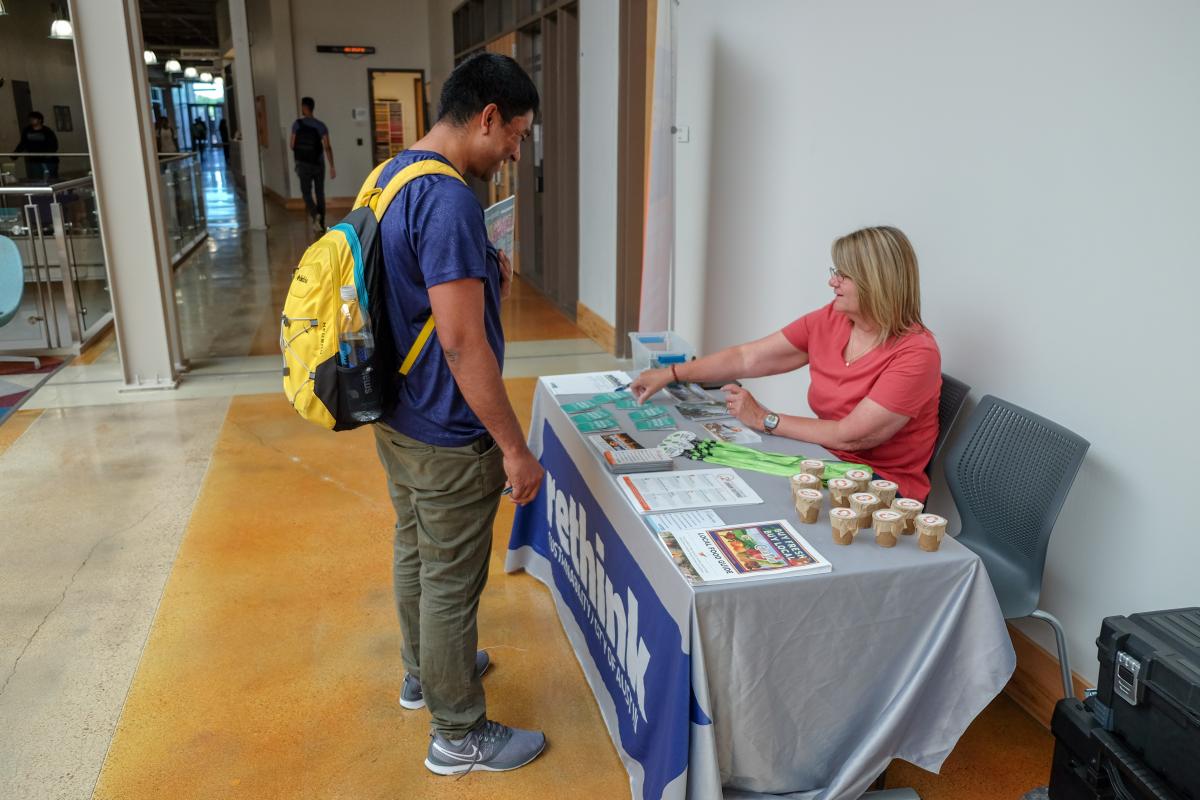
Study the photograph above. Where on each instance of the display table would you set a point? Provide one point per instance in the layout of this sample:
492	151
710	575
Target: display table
809	684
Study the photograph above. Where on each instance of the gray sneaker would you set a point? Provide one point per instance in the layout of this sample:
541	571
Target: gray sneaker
492	747
411	696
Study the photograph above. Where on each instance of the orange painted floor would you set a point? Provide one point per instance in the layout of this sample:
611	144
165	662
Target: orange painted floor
16	424
272	669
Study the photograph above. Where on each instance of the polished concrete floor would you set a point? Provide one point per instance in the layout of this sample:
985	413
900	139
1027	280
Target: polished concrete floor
195	597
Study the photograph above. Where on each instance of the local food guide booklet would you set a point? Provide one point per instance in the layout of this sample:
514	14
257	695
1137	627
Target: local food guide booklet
755	550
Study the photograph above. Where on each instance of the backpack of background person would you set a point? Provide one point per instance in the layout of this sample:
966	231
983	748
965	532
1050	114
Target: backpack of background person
349	254
308	144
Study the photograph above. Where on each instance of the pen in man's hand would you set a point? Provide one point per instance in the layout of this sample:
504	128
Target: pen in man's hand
507	490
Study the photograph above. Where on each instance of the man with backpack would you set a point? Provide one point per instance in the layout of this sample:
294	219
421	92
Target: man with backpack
452	441
310	147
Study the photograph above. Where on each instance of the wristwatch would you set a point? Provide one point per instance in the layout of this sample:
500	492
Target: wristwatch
770	422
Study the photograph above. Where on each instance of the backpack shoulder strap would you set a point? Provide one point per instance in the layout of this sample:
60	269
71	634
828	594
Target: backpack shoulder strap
368	187
429	166
378	201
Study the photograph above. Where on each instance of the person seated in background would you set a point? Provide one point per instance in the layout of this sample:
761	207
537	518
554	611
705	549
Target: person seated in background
876	371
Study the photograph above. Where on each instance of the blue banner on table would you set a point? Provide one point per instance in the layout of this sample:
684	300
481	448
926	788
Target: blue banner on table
633	640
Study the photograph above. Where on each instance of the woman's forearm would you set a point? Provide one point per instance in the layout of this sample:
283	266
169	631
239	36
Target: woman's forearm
719	367
828	433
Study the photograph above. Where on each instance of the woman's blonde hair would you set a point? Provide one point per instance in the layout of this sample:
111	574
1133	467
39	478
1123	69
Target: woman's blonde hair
883	266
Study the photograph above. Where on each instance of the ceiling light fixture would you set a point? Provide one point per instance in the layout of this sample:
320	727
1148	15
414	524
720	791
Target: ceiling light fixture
219	82
150	58
206	77
191	72
61	29
172	66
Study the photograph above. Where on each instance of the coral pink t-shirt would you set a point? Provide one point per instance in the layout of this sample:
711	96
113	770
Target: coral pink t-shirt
904	375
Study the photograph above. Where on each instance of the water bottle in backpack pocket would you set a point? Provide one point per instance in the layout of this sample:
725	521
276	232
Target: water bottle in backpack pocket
360	391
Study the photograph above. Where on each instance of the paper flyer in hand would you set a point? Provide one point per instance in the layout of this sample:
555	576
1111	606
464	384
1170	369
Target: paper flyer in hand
698	412
733	431
688	393
500	220
754	550
693	488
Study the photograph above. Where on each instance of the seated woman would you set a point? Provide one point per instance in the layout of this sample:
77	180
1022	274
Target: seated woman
875	368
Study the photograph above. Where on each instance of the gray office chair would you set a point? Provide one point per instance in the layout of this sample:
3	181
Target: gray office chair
12	287
1009	472
950	404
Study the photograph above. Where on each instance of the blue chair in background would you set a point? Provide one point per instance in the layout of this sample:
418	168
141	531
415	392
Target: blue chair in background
12	288
1009	472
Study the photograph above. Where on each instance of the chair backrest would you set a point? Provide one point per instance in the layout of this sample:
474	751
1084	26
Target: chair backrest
1009	473
12	280
950	403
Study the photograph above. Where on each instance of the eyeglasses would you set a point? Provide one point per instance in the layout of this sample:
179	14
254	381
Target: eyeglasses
837	275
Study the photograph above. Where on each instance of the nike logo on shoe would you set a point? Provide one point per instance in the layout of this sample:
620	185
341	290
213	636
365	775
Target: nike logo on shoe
464	757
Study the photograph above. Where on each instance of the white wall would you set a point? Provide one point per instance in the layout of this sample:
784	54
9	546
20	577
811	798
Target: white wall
287	66
270	31
441	49
26	54
598	74
1043	160
399	31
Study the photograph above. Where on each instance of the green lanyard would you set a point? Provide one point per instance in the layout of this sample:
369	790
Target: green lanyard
740	457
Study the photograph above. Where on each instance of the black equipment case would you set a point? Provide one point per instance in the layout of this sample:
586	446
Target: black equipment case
1092	764
1149	692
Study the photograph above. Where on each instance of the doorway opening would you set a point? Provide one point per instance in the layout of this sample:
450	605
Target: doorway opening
398	112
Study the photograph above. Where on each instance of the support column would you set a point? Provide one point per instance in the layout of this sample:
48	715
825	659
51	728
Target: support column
116	107
243	83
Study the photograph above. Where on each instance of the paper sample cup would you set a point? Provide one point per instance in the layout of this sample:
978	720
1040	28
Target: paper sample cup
888	524
931	529
910	509
805	480
808	504
845	525
861	478
813	466
884	490
863	504
840	490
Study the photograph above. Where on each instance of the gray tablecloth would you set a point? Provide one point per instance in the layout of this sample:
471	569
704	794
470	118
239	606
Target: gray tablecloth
814	683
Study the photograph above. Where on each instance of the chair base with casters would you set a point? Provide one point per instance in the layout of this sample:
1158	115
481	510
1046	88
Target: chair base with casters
37	362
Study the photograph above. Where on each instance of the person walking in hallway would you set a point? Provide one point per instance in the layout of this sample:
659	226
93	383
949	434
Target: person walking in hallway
310	147
199	136
37	138
452	442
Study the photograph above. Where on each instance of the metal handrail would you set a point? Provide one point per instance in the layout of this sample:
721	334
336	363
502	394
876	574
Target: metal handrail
52	188
47	155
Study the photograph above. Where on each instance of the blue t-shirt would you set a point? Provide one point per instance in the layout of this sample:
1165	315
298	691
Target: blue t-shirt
433	233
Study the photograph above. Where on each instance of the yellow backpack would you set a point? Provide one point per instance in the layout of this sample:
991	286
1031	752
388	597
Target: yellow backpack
349	254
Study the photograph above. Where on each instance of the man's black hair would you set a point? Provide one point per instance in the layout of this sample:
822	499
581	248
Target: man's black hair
37	115
487	78
308	102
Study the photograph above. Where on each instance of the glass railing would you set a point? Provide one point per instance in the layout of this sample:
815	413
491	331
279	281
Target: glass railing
55	225
65	302
183	196
43	169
